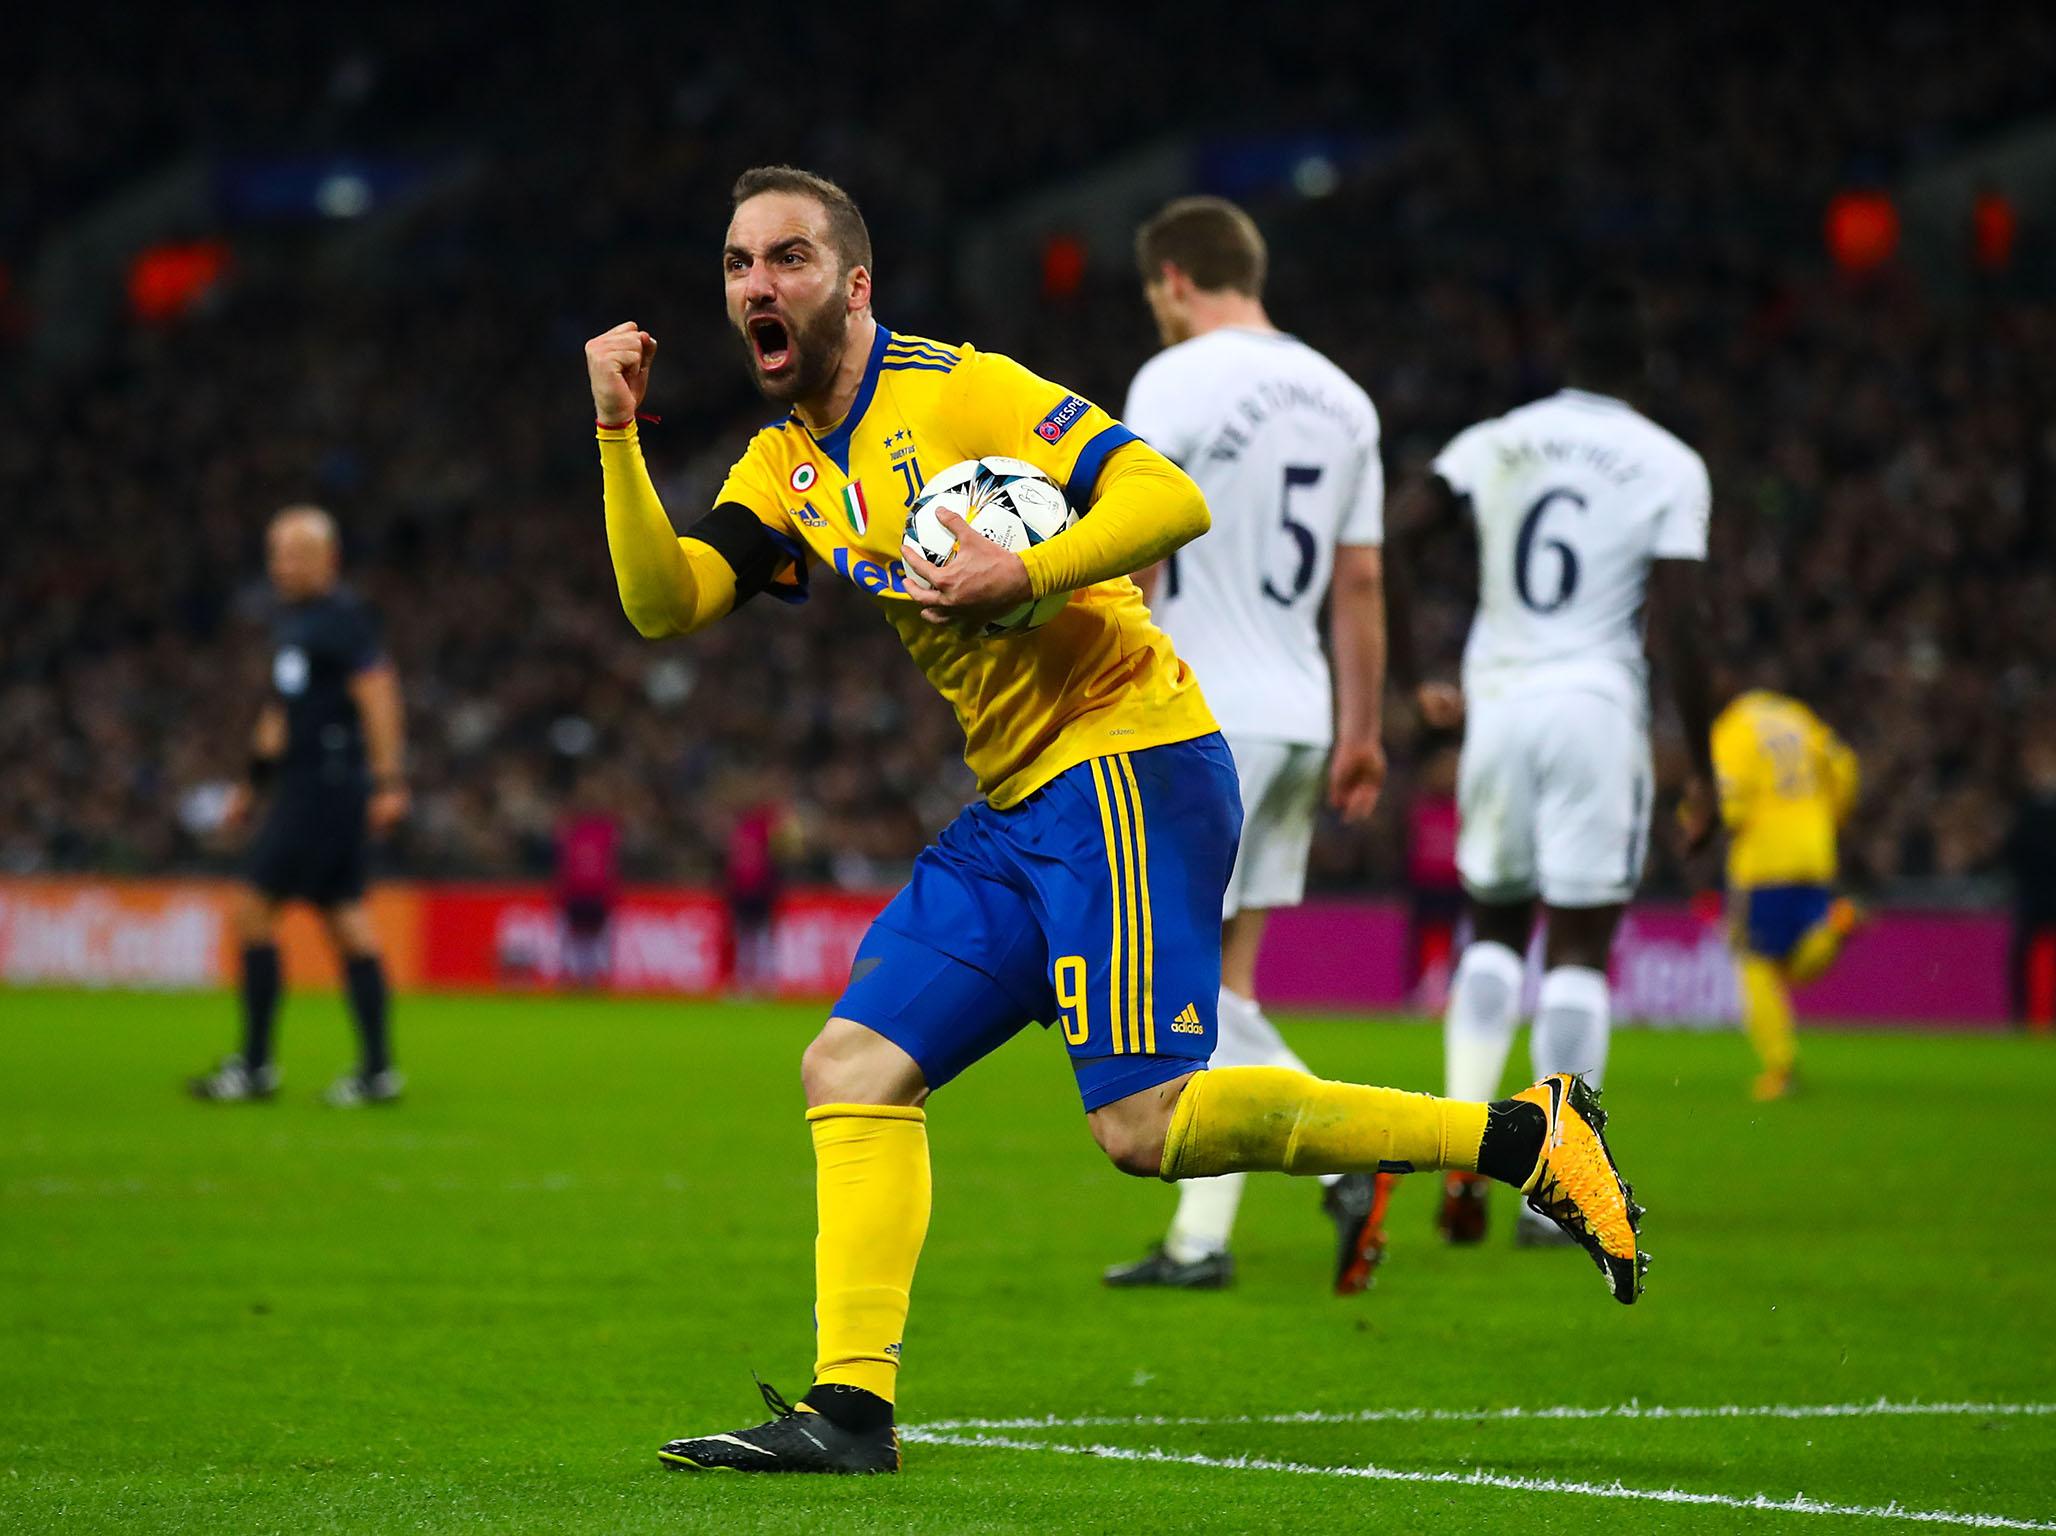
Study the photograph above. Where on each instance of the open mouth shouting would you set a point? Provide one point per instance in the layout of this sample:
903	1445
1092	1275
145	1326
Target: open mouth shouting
770	344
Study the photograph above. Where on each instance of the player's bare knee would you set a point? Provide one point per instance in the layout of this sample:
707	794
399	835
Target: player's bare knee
822	1068
1131	1151
848	1063
350	930
1132	1136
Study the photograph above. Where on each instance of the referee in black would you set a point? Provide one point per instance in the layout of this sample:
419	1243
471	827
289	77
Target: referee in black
327	748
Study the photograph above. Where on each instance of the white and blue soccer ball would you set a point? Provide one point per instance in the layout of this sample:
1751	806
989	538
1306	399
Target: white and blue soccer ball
1012	503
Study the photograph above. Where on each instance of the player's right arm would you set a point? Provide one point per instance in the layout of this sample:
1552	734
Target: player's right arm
1356	630
669	585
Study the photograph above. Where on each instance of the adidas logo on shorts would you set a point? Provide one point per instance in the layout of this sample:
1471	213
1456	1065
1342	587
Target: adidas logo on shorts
1187	1022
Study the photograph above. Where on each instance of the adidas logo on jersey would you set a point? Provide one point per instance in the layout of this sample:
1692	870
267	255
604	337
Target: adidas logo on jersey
1187	1022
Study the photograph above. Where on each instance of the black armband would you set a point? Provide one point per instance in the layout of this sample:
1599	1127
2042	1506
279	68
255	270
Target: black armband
734	533
262	771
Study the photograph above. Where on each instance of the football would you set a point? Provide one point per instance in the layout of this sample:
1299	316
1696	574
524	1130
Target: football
1010	502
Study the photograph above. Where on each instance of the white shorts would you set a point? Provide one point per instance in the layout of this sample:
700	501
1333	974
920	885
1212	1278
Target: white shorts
1281	796
1553	798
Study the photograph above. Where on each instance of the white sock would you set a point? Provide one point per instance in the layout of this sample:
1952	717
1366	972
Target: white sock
1477	1032
1573	1022
1206	1217
1247	1039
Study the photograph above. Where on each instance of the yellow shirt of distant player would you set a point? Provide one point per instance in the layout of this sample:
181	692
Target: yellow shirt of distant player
1098	678
1786	784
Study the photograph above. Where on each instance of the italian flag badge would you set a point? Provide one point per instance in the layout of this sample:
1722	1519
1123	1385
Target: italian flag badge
854	508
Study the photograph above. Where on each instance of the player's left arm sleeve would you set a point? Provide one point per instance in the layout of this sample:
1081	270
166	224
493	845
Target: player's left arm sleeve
1461	462
1136	506
1682	524
1145	508
1363	519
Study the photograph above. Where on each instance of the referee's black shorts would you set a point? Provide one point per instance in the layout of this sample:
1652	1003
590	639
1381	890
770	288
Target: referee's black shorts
313	846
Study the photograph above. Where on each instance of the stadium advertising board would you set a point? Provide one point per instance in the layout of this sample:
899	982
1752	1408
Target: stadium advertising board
1671	964
170	935
1671	967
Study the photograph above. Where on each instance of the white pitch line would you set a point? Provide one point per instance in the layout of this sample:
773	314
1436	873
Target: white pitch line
1799	1504
1881	1408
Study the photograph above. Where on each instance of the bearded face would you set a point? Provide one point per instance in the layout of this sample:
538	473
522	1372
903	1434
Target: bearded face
795	348
789	294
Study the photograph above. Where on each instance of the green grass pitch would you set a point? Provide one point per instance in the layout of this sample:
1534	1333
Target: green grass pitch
484	1309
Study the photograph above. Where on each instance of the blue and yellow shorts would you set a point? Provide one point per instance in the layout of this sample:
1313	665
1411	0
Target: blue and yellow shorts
1094	904
1774	918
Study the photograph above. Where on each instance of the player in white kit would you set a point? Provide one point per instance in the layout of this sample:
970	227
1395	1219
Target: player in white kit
1285	445
1580	505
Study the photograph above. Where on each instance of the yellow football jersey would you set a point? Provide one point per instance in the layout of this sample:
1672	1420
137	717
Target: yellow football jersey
1786	783
1099	678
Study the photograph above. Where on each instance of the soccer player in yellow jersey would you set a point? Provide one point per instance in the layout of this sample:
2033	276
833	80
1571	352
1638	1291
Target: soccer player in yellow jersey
1787	783
1084	890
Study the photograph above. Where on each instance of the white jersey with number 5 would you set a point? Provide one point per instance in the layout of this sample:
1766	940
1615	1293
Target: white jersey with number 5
1285	446
1574	497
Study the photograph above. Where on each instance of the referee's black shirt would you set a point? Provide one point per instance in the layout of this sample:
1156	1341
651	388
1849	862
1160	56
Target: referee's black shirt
318	646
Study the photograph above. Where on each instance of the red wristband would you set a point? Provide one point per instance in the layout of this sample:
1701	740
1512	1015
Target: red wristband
616	426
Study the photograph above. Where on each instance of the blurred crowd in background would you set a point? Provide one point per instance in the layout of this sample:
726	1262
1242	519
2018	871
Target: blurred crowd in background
1882	443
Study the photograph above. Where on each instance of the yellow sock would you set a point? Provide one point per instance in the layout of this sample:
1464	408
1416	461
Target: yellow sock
1816	950
1767	1013
1273	1119
871	1186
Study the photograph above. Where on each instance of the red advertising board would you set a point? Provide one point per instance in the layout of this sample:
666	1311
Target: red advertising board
491	936
1671	965
660	940
817	936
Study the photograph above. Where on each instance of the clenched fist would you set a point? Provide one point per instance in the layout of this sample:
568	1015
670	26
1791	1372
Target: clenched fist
1356	777
617	363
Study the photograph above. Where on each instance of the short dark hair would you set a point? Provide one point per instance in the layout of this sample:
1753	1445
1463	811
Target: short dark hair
846	226
1210	240
1608	341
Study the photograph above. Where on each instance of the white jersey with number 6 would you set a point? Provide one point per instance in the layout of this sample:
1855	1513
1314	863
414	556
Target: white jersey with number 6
1285	446
1574	498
